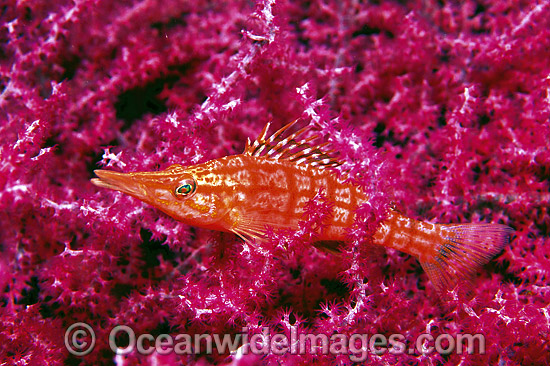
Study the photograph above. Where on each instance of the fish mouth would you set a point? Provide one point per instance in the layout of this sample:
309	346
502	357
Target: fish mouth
121	182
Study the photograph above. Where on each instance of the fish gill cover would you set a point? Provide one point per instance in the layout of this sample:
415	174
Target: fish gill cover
439	108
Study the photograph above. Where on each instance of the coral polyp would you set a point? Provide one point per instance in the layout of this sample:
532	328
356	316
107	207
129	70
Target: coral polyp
438	109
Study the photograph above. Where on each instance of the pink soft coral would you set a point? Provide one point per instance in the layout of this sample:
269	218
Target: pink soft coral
439	108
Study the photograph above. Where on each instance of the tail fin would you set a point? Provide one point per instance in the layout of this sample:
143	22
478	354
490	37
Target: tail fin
463	248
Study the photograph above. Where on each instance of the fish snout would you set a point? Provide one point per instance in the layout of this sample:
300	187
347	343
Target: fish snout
123	182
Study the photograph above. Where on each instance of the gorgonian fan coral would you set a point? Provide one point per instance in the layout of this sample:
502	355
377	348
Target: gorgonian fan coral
439	108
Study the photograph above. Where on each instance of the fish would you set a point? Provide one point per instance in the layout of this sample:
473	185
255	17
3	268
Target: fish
269	186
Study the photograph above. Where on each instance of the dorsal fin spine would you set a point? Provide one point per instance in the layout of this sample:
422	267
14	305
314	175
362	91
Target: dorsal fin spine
293	147
260	149
264	132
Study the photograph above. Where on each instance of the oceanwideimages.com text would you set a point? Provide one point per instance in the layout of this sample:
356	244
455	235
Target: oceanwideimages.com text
80	340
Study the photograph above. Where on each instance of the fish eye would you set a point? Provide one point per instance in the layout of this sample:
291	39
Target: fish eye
186	188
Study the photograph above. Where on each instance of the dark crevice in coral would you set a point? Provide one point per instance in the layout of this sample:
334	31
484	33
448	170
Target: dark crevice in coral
106	357
480	30
4	10
70	64
479	171
301	38
52	141
122	290
441	120
541	224
366	31
292	318
29	295
431	182
384	135
304	42
444	57
502	269
480	8
77	241
151	249
3	80
133	104
295	272
483	120
122	261
47	309
27	14
162	328
379	141
182	69
173	22
334	286
73	360
93	162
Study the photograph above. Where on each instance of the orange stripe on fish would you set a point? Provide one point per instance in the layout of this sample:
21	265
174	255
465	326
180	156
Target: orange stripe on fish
271	182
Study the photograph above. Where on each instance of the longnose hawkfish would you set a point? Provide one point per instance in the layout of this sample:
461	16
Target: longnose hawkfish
271	182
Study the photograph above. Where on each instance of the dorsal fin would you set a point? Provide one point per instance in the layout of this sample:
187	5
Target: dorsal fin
294	147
